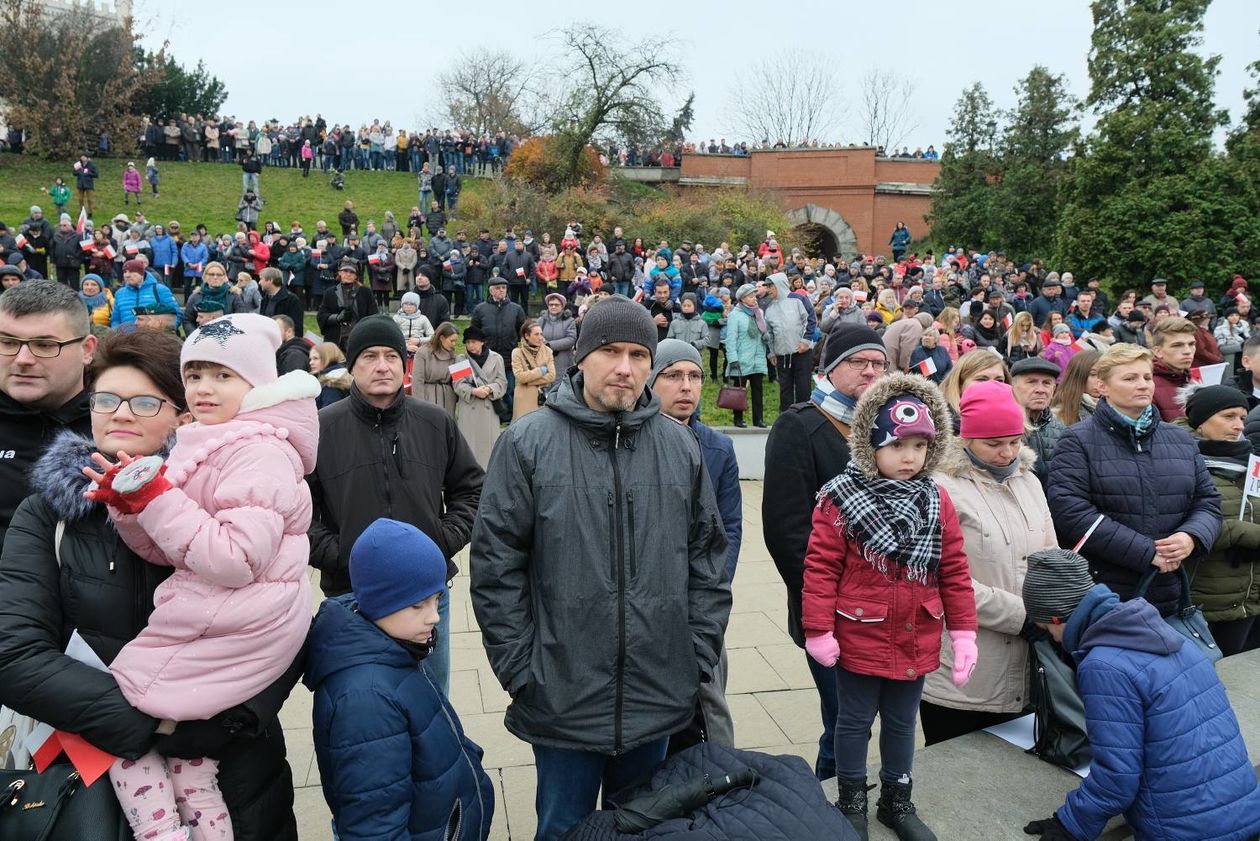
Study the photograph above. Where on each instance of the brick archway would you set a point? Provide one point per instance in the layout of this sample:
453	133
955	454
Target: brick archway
812	214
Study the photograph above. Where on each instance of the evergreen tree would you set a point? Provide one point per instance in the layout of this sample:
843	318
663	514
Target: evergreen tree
1144	194
962	205
1025	204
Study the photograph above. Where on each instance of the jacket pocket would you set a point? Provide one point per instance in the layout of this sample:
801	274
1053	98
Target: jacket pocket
866	611
934	606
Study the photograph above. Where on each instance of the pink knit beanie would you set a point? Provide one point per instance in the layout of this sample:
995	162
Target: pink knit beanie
246	343
990	410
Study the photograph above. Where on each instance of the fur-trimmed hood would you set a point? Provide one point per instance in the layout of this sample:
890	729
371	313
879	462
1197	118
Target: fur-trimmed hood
954	461
873	400
336	376
58	475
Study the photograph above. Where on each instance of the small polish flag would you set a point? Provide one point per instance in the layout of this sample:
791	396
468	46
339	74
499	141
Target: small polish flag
374	259
85	244
859	296
290	277
20	239
81	226
1007	321
520	272
447	265
133	250
166	270
1208	374
196	267
1184	313
108	251
460	370
927	367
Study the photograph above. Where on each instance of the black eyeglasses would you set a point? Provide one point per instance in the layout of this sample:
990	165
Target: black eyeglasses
43	348
142	405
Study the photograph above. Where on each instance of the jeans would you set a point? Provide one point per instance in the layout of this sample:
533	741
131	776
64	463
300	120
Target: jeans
828	702
795	378
425	197
860	698
345	159
451	199
375	157
249	181
476	294
570	781
508	395
438	663
621	287
415	161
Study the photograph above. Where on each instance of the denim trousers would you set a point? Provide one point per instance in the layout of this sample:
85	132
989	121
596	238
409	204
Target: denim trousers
859	698
570	782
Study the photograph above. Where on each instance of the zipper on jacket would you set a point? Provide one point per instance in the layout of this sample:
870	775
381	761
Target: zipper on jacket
621	595
612	535
389	497
633	555
481	806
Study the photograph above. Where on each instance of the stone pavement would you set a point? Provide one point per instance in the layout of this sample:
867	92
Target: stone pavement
770	692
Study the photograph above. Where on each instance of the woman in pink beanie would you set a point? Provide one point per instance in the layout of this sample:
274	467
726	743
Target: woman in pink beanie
229	509
988	473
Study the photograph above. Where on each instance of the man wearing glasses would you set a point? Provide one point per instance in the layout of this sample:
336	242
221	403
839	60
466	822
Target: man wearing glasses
808	446
677	378
45	345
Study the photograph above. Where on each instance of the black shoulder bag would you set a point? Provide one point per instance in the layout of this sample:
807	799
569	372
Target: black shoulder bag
1059	735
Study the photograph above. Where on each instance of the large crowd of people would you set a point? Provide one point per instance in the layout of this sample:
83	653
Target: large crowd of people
970	454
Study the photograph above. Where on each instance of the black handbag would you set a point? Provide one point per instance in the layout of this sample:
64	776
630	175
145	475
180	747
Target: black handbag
1188	620
1059	734
56	806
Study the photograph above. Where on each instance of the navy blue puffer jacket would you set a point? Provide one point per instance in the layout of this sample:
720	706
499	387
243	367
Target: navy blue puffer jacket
1168	753
1147	486
393	759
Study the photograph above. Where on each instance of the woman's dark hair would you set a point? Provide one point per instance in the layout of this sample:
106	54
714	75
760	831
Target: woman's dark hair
441	332
528	327
154	353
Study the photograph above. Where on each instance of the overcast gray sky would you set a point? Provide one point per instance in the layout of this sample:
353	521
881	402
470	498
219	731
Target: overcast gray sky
358	61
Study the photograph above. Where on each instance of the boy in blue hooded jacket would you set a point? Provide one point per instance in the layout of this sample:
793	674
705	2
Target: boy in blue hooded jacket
1168	753
393	759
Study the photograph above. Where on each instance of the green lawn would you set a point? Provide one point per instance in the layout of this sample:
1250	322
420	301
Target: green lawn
207	194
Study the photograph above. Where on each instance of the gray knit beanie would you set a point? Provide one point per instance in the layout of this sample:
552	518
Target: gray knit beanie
670	351
617	319
1056	582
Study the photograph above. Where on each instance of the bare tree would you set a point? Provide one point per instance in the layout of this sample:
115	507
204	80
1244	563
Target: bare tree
610	91
885	111
792	98
493	91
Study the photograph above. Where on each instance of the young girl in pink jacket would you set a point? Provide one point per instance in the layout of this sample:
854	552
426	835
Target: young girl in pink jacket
229	510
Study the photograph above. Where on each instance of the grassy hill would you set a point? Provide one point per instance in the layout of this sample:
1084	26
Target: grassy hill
207	193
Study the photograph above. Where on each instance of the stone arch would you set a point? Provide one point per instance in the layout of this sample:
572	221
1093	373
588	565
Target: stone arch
812	214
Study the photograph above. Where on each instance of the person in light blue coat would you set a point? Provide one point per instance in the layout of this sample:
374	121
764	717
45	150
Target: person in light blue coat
140	289
165	251
1168	753
746	334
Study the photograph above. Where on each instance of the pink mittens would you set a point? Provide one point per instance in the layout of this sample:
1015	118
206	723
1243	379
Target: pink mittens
825	650
966	655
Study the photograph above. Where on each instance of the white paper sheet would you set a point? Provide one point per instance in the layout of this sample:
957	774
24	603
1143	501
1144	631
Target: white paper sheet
1020	733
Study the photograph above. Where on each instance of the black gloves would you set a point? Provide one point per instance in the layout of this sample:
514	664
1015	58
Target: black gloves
1049	829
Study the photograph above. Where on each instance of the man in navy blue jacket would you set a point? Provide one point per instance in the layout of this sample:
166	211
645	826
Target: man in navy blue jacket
676	378
1167	750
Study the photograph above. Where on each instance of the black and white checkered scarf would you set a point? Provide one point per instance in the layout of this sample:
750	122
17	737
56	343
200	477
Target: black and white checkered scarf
897	523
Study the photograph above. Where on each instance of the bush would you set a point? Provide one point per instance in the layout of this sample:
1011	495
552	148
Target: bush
539	163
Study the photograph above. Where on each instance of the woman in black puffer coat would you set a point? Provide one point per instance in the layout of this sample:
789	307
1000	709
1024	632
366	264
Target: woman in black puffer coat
1145	478
86	579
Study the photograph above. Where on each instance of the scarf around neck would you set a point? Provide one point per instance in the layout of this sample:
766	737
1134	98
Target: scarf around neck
999	473
833	403
896	523
1142	423
757	315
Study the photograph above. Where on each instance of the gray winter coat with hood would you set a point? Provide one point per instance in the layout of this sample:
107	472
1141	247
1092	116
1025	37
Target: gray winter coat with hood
787	318
597	573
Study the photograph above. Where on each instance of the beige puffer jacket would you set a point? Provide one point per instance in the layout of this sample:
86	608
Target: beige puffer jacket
1002	523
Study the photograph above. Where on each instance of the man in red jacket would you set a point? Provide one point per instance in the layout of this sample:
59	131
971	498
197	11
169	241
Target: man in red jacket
1173	343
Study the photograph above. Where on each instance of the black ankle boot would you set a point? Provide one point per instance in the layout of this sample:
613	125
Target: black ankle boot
852	804
896	812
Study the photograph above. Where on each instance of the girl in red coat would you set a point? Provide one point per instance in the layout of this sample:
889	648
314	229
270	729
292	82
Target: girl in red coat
884	569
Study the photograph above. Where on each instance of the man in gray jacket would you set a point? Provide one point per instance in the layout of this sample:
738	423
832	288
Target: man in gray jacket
791	335
597	572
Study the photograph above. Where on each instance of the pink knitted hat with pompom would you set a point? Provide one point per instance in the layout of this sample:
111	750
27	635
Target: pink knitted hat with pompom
246	343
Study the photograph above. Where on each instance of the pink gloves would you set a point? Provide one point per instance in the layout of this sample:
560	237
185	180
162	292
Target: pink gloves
129	489
965	655
825	650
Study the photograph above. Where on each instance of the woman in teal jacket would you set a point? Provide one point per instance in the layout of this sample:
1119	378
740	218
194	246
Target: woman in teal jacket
746	350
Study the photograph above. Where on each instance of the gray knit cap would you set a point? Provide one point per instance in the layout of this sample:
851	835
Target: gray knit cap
616	319
1056	582
670	351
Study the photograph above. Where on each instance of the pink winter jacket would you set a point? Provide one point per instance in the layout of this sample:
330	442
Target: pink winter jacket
234	614
131	180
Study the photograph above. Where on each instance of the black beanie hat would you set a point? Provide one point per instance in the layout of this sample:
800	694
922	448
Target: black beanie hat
374	331
1205	401
616	319
844	340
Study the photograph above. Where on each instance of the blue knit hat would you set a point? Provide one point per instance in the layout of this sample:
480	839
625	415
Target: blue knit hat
394	565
